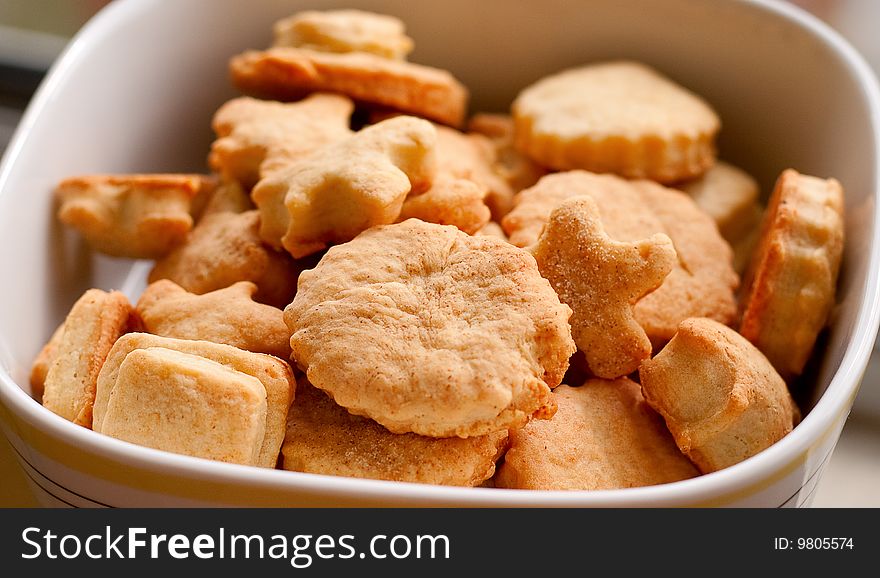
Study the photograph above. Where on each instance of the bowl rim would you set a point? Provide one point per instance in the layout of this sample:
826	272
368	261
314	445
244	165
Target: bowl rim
736	480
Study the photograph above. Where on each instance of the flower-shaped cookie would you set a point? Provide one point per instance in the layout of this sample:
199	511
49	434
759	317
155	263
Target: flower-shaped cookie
229	316
250	130
346	187
225	248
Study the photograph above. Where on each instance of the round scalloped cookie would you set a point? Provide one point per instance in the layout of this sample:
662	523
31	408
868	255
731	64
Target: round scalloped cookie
616	117
426	329
323	438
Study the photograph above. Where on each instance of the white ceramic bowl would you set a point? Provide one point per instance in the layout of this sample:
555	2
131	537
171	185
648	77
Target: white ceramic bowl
136	89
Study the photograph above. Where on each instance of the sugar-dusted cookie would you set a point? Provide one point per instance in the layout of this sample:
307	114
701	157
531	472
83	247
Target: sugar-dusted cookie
291	73
195	397
77	352
616	117
449	201
225	248
790	284
344	31
346	187
730	196
601	280
248	130
323	438
135	216
603	437
426	329
228	315
721	399
703	281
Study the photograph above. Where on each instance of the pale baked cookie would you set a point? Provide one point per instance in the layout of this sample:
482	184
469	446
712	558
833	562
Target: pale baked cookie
601	280
730	196
248	130
472	157
225	248
721	399
344	31
187	404
603	437
93	325
229	316
346	187
135	216
323	438
518	170
466	187
789	287
426	329
449	201
616	117
228	197
492	229
291	73
195	397
703	282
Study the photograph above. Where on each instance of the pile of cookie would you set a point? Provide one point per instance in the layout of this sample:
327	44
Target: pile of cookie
549	299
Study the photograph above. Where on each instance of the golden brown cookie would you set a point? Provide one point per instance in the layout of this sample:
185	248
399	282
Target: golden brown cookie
472	157
229	316
616	117
44	361
323	438
703	281
730	196
199	395
721	399
225	248
789	287
449	201
93	325
291	73
228	197
346	187
135	216
518	170
602	280
603	437
344	31
426	329
492	229
250	130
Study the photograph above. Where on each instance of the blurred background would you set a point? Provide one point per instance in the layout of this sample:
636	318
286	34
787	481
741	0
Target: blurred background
34	32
